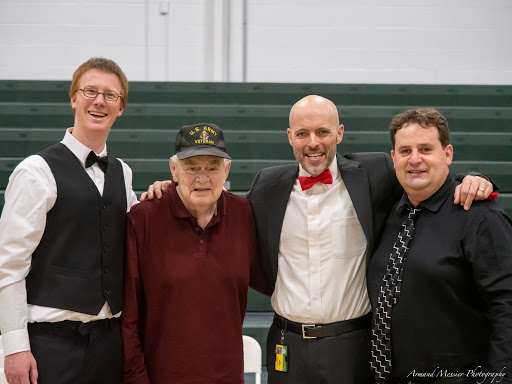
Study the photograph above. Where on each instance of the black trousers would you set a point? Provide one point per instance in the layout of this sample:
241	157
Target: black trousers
343	359
71	352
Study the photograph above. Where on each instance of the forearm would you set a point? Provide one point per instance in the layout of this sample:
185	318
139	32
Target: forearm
490	252
23	221
134	367
13	320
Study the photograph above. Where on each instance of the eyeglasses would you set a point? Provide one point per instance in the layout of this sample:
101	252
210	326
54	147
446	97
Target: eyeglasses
91	93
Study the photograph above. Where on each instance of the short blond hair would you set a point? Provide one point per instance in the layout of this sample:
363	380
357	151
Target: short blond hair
104	65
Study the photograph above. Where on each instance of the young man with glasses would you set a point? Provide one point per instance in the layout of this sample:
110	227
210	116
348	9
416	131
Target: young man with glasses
62	245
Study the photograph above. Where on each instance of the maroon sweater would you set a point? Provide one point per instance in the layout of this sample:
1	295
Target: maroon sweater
186	291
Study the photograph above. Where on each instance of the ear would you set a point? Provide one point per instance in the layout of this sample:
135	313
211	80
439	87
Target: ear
448	151
341	130
226	170
174	170
393	156
121	110
73	101
289	132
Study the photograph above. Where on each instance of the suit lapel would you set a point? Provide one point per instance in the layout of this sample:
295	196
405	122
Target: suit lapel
356	181
277	196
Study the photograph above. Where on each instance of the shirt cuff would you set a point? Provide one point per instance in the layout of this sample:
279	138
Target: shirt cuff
15	341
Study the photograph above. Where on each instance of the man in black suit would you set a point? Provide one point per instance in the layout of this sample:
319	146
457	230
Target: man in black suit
316	223
443	293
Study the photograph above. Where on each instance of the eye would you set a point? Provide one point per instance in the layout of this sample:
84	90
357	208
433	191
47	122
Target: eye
405	151
90	92
111	96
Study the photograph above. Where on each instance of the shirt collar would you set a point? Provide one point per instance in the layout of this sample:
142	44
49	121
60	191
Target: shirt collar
77	148
333	167
434	202
179	209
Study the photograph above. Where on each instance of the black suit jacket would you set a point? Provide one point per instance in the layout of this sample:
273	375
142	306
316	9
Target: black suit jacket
371	183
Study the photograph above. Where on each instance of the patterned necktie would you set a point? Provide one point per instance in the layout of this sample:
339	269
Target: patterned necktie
307	182
93	158
389	294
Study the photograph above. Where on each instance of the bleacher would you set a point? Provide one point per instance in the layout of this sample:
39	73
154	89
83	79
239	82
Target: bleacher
254	117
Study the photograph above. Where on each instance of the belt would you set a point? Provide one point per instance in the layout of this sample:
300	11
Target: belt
313	331
68	327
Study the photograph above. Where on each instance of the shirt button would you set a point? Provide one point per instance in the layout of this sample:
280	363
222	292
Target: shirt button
201	241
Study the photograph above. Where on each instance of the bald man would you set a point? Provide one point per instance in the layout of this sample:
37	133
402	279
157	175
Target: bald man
316	223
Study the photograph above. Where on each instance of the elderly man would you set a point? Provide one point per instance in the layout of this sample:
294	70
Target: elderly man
440	280
190	259
62	245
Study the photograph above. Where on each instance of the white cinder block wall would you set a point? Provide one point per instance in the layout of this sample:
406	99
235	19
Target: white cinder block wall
318	41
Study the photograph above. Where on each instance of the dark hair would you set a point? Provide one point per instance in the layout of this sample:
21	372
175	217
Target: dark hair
104	65
425	117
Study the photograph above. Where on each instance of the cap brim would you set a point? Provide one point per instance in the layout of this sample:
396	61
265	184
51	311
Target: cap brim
198	151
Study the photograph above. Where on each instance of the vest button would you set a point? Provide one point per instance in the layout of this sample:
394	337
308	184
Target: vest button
103	207
104	228
107	292
105	269
105	248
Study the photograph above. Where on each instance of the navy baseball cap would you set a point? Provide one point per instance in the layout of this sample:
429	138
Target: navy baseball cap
199	140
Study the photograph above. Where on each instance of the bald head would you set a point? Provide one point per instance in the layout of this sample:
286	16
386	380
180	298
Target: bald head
314	133
314	105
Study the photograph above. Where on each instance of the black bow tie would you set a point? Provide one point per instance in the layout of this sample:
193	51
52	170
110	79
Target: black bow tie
93	158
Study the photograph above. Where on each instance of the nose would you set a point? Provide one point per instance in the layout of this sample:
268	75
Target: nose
313	141
202	176
415	157
97	99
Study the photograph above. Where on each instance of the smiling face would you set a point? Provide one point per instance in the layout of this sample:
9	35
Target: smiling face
314	133
95	117
421	162
200	180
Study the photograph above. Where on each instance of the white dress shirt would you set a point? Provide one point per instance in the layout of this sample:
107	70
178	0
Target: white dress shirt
321	276
30	194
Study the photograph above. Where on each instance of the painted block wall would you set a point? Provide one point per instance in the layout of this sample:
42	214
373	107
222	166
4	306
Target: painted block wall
318	41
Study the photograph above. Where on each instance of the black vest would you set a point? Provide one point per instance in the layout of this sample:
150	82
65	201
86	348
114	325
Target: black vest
78	263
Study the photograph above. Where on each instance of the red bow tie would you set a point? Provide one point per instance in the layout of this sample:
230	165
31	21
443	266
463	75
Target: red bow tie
307	182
